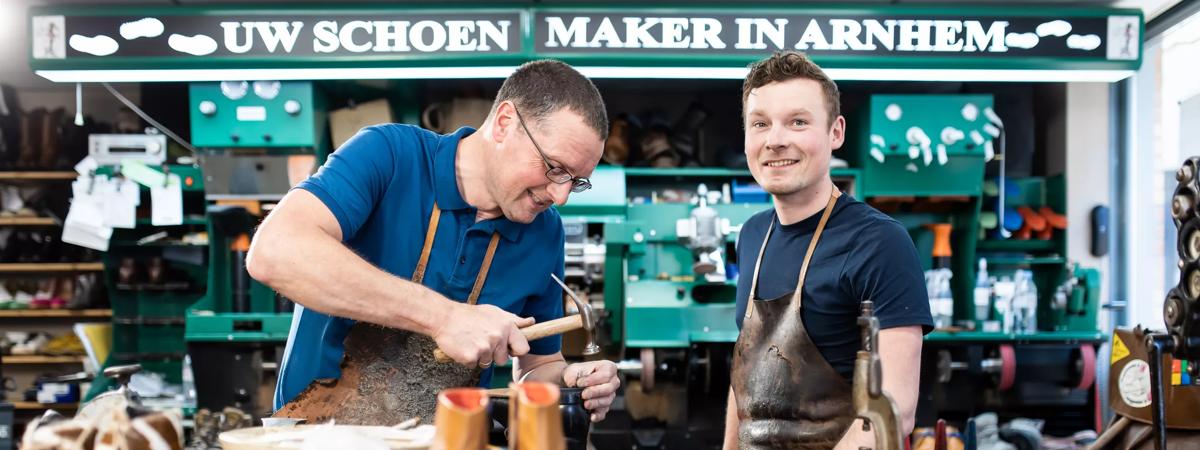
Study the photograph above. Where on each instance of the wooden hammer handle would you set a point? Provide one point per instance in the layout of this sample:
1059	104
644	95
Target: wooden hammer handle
534	332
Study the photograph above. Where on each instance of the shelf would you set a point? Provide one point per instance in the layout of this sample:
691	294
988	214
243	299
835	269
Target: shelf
1044	336
187	220
38	175
713	172
1014	245
42	359
68	313
27	221
685	172
40	406
50	267
1022	260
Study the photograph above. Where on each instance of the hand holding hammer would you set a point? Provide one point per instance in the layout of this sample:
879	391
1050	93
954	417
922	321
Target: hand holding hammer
586	319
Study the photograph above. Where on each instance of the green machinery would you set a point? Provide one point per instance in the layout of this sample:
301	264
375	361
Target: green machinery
152	276
921	158
248	133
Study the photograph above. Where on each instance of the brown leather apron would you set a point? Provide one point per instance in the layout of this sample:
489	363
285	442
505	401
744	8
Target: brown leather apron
389	375
787	395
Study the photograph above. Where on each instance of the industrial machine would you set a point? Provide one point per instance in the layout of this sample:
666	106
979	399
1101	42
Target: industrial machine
250	136
1155	380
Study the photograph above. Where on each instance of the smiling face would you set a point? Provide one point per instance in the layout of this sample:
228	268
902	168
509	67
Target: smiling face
517	173
789	137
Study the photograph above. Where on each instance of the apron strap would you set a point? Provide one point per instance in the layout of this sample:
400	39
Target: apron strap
757	265
423	261
812	245
483	269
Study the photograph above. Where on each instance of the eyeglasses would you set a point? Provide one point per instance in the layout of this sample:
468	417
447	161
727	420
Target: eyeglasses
554	173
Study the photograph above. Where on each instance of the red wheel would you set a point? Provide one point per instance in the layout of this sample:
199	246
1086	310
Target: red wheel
1008	367
647	369
1087	372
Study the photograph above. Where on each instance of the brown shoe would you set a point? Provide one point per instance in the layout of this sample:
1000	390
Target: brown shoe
31	138
616	148
51	139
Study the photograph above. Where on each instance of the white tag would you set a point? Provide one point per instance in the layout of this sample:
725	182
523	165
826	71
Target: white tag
87	207
86	165
167	202
119	211
131	191
82	234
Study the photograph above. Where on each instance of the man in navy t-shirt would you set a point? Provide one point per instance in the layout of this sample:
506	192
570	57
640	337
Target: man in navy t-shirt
795	355
345	243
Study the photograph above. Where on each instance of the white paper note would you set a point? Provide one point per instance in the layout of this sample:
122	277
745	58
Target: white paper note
84	225
119	211
167	202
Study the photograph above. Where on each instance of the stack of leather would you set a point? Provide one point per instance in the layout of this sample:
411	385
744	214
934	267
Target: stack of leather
122	429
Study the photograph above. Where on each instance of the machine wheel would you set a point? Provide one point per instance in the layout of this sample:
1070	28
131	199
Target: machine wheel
1086	365
647	369
1008	367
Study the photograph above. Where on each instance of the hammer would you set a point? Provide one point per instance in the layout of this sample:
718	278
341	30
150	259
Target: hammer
586	319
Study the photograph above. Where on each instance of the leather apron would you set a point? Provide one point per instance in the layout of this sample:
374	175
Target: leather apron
788	396
389	375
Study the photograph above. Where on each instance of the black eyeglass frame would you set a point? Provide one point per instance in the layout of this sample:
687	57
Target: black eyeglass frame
556	174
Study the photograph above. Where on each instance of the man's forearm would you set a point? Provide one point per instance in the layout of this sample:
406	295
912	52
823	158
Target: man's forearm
320	273
549	372
731	423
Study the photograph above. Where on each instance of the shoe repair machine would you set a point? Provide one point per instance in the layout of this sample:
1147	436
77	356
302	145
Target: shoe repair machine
1154	383
248	134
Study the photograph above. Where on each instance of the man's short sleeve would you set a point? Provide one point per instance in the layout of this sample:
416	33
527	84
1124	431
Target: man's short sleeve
885	269
548	305
354	179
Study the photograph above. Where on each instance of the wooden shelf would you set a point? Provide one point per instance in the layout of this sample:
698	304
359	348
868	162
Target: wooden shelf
38	175
1013	245
29	221
42	359
50	267
69	313
1023	261
41	406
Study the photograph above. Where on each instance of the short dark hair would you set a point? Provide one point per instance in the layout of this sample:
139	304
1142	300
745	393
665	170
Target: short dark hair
540	88
790	65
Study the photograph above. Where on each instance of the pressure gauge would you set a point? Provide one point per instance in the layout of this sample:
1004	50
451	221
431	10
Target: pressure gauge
234	90
266	90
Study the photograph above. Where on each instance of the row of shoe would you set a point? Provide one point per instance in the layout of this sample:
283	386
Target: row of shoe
42	139
651	140
38	246
150	274
79	291
34	201
40	343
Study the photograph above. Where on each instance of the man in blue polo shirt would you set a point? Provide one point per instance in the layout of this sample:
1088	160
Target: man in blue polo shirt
346	242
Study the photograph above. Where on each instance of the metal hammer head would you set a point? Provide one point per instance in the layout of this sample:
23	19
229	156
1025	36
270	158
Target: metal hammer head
589	318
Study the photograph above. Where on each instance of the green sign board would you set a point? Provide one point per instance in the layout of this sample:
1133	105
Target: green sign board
212	43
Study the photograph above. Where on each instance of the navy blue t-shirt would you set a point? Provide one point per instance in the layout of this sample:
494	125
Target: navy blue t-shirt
863	255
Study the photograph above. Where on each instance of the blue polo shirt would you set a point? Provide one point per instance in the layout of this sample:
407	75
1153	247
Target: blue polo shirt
381	186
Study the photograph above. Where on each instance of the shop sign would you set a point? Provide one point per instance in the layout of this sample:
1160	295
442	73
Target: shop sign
157	36
1113	37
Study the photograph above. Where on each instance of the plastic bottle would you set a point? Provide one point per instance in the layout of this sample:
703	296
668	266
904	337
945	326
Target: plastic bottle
983	292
